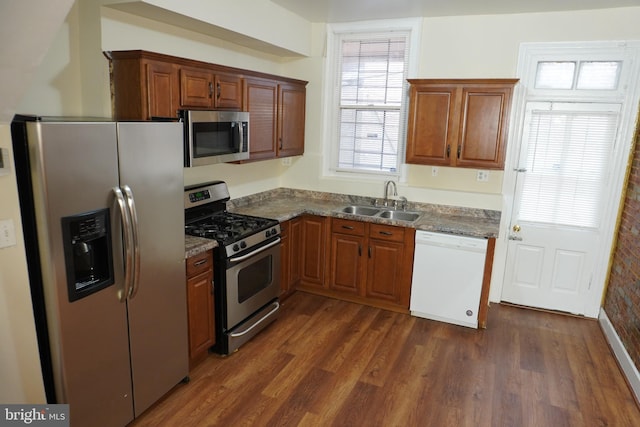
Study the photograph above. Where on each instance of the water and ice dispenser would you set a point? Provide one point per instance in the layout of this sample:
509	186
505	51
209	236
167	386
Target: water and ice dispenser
88	254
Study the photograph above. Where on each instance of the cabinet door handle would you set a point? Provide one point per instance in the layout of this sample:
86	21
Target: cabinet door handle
369	251
347	227
281	143
459	148
359	249
386	233
448	150
219	91
200	262
210	90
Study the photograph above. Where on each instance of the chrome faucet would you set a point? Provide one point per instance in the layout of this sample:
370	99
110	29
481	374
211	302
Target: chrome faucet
386	191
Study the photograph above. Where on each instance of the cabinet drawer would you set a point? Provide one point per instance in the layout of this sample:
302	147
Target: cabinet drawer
386	232
199	263
346	226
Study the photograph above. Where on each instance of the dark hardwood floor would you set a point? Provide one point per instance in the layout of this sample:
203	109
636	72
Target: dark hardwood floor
327	362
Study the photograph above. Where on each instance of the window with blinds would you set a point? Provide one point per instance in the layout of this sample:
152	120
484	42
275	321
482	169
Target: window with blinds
568	150
371	90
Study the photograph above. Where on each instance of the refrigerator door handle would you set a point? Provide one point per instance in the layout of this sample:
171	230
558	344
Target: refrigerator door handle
128	244
133	216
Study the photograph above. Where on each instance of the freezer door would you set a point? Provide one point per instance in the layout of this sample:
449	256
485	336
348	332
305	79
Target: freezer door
150	156
74	167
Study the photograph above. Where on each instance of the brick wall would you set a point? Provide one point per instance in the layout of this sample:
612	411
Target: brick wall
622	301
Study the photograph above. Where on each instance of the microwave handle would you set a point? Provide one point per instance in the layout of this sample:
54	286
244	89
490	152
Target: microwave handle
240	136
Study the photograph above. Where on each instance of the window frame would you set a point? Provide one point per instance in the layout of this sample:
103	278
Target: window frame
335	33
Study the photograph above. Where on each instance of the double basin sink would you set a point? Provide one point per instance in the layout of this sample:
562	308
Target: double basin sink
386	213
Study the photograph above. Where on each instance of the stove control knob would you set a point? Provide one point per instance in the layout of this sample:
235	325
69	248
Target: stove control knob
236	248
243	244
267	233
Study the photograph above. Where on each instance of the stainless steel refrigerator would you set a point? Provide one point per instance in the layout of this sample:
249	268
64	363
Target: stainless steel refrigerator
103	220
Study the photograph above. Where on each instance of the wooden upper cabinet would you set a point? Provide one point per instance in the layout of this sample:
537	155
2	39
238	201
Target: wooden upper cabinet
291	116
276	117
201	88
461	123
261	101
143	88
146	85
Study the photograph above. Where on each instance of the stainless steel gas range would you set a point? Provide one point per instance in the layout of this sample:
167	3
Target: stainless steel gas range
246	264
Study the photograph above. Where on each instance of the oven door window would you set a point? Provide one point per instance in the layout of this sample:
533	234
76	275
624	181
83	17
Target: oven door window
254	277
216	138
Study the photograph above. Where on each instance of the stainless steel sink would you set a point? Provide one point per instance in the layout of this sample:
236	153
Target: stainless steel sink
399	215
381	213
361	210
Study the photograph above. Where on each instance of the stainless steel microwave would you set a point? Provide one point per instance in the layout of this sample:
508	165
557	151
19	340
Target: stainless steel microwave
215	136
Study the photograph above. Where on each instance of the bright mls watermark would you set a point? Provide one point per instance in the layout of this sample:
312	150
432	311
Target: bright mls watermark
34	415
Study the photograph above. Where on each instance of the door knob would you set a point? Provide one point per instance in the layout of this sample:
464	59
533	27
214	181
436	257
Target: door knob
516	228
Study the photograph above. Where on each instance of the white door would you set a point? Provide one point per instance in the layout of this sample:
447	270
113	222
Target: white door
562	187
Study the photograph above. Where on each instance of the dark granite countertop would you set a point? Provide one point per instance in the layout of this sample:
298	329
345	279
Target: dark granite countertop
285	203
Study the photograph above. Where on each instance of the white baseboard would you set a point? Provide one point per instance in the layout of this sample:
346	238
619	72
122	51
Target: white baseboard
624	360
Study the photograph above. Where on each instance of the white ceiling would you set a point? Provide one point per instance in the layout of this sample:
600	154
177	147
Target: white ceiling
362	10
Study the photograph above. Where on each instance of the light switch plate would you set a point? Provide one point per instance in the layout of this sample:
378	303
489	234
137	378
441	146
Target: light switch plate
7	233
4	161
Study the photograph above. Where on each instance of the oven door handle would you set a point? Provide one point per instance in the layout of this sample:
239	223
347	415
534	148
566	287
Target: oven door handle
265	317
257	251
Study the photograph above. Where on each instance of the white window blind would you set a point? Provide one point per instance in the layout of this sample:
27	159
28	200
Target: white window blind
371	97
568	158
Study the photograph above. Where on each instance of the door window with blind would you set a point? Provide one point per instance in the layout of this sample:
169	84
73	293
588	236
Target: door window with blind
568	149
369	99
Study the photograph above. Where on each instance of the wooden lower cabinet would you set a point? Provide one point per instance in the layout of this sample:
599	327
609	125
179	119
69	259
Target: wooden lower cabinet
372	263
348	265
291	237
390	264
200	308
357	261
313	255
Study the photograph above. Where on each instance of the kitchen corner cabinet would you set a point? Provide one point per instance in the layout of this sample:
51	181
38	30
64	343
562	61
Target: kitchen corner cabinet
201	88
200	308
291	244
277	115
460	123
371	263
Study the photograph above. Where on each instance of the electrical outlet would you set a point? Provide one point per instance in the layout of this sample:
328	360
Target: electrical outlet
7	233
483	176
286	161
434	171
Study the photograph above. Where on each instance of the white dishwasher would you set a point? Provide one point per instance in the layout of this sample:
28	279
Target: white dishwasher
447	277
